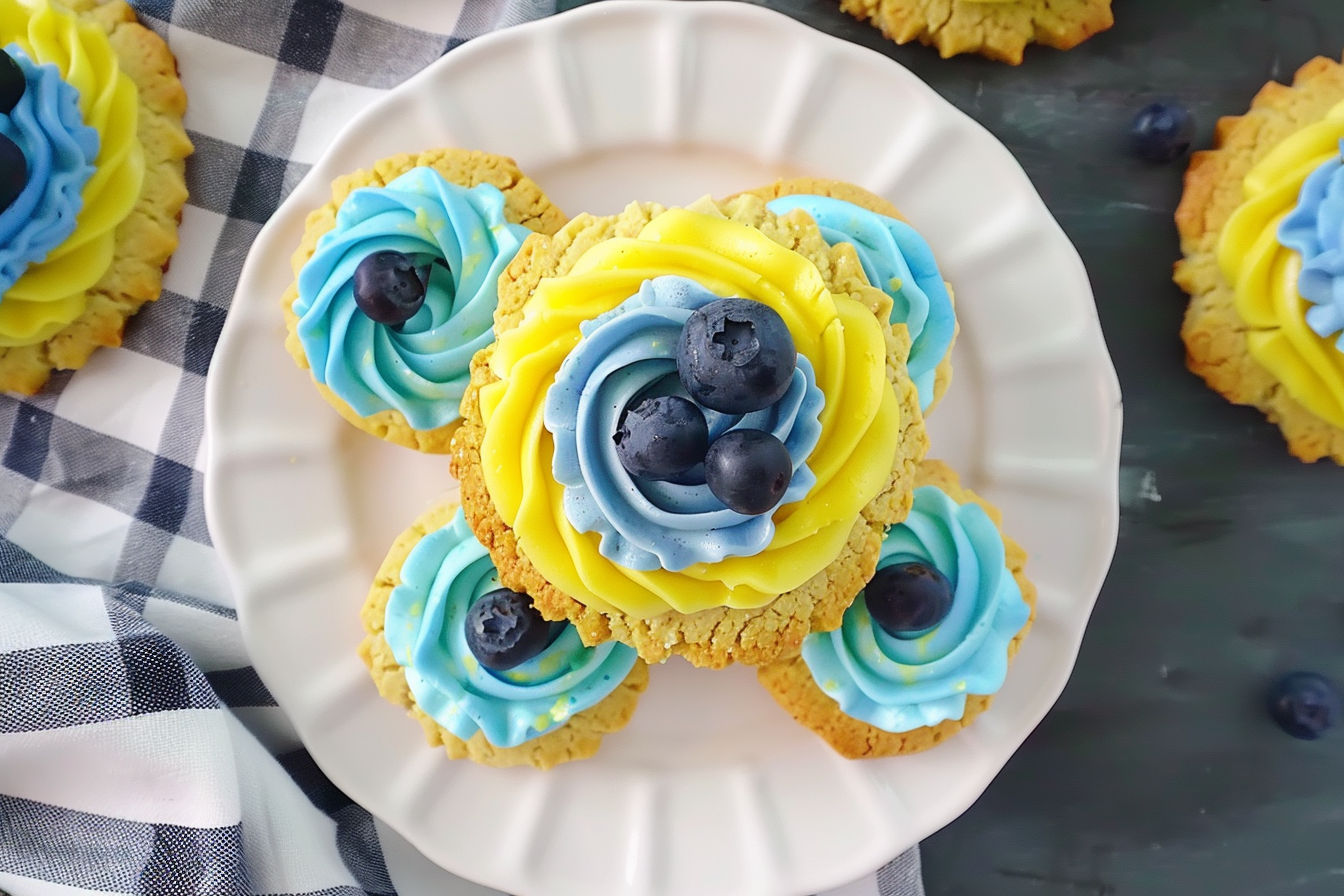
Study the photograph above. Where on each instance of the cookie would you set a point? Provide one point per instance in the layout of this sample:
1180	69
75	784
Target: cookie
869	694
84	243
555	707
1259	223
895	258
588	322
997	29
458	216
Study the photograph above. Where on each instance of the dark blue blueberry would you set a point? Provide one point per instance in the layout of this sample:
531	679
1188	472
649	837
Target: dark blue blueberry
13	171
1161	132
908	599
388	288
748	470
11	83
661	438
504	630
1305	704
736	356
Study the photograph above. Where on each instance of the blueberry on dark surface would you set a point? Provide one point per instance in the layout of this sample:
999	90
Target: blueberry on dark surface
1161	132
908	599
1305	704
504	630
11	83
736	356
13	171
748	470
388	289
661	438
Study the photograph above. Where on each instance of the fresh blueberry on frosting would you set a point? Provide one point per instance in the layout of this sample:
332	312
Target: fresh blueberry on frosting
13	171
736	356
12	83
662	437
388	288
748	470
504	629
1305	704
908	599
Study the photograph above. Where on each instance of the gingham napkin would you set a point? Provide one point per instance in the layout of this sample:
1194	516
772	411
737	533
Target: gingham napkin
139	751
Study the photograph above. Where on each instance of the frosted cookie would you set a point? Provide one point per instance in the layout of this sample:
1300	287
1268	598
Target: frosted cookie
1261	223
92	183
998	29
395	286
924	647
486	677
735	558
895	258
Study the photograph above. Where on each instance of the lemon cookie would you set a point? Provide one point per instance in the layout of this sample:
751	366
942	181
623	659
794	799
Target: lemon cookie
92	147
1260	223
926	645
614	320
395	286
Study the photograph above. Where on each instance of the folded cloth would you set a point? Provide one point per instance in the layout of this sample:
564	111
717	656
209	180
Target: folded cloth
139	751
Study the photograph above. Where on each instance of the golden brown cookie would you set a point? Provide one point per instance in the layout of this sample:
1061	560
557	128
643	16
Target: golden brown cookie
1217	337
718	634
837	189
998	29
578	738
145	239
793	686
524	204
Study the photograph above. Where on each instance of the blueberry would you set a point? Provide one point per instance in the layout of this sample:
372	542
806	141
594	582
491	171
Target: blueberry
908	599
736	356
661	438
11	83
1305	704
13	171
748	470
388	288
504	630
1161	132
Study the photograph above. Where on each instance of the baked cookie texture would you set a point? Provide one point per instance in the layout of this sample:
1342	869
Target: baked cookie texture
717	636
849	192
997	29
147	237
1214	333
578	738
792	685
524	204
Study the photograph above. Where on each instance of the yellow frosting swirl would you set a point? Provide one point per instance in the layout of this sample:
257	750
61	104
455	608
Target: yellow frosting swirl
51	294
1265	273
841	338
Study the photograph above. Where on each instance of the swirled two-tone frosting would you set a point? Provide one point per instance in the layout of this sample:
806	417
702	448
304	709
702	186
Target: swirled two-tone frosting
1282	228
630	353
841	340
899	685
898	261
51	292
425	627
422	369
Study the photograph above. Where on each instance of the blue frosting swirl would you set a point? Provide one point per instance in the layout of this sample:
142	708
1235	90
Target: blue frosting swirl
60	150
898	261
423	369
424	625
899	685
629	353
1315	229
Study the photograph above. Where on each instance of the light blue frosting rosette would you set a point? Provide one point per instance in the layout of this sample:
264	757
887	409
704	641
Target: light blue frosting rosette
424	625
898	261
421	370
627	354
899	685
1315	230
59	150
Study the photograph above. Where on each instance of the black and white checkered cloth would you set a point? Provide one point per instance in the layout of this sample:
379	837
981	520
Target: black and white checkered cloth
139	751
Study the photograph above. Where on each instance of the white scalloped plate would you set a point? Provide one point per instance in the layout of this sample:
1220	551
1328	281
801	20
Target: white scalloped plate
711	789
